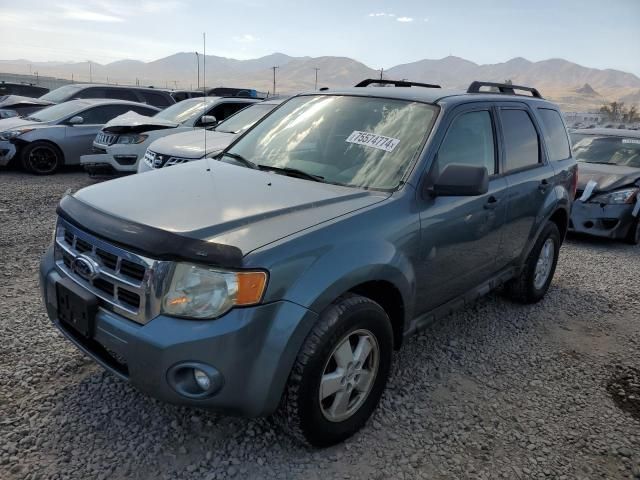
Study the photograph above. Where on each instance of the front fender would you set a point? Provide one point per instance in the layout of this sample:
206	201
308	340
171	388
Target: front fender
343	267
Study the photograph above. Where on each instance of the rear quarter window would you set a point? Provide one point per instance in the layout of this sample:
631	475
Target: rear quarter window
522	148
555	135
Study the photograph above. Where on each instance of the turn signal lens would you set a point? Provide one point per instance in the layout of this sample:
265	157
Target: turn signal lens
250	287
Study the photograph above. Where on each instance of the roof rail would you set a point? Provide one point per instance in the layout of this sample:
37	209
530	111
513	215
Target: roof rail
505	88
396	83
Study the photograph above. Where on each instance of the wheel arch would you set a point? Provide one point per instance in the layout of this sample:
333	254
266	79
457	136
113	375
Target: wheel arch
22	144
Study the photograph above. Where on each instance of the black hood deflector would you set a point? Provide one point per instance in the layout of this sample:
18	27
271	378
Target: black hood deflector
145	240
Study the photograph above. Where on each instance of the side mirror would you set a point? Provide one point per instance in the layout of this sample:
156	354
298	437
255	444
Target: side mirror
208	120
77	120
461	181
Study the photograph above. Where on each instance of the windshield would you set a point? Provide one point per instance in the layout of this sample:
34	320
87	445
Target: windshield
354	141
57	112
245	118
610	150
61	94
184	110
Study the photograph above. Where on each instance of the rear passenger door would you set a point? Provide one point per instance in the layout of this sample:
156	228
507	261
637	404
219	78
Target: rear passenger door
528	174
460	236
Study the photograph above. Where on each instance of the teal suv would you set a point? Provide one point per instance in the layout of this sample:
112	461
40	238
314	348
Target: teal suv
279	276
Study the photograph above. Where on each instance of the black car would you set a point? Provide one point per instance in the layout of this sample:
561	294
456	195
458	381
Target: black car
24	105
608	202
22	89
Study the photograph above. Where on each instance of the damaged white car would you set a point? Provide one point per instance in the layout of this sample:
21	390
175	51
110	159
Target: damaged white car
194	145
121	143
608	197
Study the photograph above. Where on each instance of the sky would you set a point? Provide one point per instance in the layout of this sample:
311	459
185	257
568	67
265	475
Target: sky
593	33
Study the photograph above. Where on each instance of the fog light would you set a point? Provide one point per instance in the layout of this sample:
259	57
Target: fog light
202	379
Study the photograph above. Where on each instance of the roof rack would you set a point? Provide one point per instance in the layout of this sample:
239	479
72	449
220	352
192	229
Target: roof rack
396	83
505	88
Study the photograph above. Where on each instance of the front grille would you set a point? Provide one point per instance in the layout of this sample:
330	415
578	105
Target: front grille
106	138
121	280
158	160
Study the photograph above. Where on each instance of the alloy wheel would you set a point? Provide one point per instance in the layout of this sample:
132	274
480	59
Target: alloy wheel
544	263
349	375
43	159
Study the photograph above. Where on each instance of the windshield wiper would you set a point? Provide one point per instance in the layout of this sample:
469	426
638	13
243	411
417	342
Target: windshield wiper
293	172
241	159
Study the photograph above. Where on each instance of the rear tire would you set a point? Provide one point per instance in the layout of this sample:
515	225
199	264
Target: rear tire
633	237
536	276
340	373
41	158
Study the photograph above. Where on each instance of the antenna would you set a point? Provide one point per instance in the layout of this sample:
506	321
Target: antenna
316	69
204	86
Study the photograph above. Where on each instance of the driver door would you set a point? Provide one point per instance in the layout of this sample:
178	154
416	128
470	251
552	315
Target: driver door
461	236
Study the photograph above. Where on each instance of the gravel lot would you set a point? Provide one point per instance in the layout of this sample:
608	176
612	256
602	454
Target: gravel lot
496	391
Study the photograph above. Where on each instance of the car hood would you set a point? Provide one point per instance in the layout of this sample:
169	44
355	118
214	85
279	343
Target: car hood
608	177
135	123
191	144
8	101
222	204
17	122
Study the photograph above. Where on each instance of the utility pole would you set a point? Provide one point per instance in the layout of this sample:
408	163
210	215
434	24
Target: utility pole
198	65
381	72
316	69
274	68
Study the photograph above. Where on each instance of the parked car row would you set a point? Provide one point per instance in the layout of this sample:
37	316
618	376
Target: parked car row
284	268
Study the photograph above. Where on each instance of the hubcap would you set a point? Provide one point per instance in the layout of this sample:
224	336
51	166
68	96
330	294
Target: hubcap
43	159
544	264
349	375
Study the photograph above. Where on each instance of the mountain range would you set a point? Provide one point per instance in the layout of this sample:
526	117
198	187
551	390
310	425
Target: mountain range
573	86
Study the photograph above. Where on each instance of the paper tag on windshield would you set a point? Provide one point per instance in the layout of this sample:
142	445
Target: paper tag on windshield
372	140
588	190
631	140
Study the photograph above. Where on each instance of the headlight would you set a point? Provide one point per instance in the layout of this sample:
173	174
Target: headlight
130	139
617	197
10	134
200	292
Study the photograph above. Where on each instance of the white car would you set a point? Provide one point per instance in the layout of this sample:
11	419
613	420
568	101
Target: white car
122	142
194	145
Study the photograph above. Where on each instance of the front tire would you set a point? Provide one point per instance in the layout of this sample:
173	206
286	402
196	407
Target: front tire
340	373
41	158
534	279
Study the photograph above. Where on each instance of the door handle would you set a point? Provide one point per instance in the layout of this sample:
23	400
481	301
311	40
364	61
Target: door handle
492	202
544	185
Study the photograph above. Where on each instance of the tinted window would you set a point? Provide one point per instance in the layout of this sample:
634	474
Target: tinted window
121	94
148	112
469	141
245	119
555	135
102	114
520	138
155	99
92	93
225	110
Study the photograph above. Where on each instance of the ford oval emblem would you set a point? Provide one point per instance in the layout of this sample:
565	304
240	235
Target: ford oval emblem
85	267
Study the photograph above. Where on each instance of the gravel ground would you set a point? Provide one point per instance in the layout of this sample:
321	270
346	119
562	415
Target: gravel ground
496	391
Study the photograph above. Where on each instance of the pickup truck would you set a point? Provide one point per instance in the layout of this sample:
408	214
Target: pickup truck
279	277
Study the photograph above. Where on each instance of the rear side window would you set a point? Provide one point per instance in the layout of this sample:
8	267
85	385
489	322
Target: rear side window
121	94
555	135
522	148
469	141
155	99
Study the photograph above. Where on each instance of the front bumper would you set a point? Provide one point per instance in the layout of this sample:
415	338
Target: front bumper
608	221
114	158
252	348
7	152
